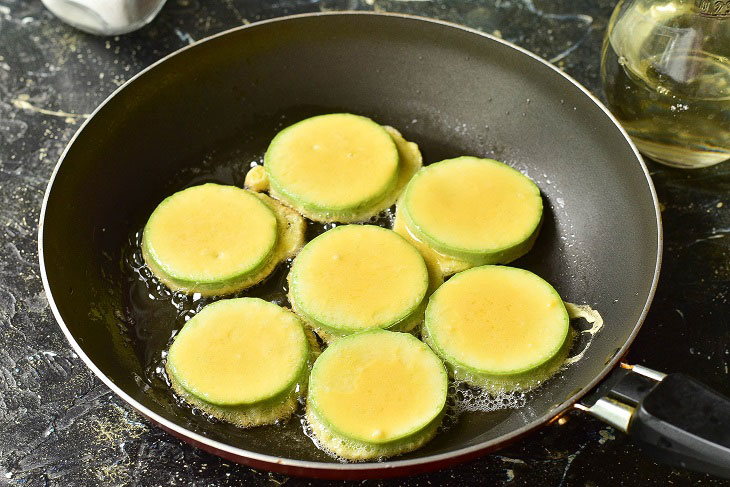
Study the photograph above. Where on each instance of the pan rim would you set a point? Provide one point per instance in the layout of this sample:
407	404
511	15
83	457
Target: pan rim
306	467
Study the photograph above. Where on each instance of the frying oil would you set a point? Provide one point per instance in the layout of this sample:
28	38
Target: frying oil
666	76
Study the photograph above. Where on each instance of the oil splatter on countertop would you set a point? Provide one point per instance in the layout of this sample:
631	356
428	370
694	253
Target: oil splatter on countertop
60	426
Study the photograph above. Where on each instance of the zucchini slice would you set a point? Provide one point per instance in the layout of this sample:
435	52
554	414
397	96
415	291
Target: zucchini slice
214	239
245	361
357	277
334	167
499	328
376	394
478	210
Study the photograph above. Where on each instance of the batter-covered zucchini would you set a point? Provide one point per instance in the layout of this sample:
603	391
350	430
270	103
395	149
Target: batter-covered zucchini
478	211
245	361
376	394
214	239
337	167
498	327
357	277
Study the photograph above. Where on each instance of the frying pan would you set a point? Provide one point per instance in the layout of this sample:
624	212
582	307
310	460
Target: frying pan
208	111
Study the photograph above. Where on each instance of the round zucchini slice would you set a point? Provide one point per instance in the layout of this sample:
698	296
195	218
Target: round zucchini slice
332	167
478	210
376	394
499	328
214	239
242	360
357	277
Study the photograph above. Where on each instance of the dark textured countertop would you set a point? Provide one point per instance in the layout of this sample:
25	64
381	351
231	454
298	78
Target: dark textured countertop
60	426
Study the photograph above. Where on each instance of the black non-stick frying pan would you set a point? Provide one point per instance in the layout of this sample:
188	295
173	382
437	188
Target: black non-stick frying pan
208	111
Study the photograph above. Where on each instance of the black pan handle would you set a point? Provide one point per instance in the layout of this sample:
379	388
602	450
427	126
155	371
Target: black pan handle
674	418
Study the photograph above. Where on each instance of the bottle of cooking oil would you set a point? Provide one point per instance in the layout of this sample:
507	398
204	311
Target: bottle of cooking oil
665	68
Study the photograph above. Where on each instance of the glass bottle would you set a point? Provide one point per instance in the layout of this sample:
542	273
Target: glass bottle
665	69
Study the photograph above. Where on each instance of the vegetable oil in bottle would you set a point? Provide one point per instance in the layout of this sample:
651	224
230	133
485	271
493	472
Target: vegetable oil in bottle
665	69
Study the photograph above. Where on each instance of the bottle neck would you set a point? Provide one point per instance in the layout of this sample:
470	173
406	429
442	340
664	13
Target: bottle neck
716	9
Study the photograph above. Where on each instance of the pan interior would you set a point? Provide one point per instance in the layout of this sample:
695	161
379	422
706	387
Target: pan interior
208	113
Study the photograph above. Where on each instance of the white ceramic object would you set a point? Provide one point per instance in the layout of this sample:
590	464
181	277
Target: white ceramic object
105	17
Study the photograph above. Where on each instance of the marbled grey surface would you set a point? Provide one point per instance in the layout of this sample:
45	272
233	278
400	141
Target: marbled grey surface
60	426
